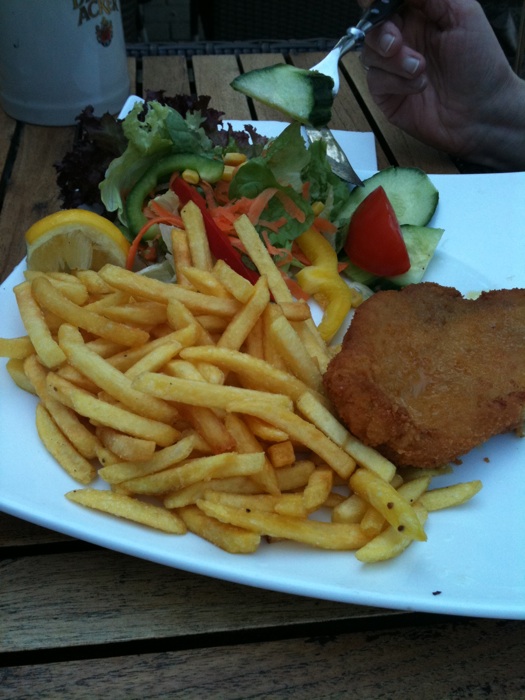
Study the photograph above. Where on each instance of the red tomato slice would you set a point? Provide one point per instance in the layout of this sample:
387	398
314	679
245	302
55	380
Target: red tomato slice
374	241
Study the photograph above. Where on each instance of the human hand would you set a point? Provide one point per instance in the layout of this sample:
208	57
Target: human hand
437	71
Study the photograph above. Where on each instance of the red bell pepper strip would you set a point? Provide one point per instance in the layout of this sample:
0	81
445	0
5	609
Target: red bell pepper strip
220	244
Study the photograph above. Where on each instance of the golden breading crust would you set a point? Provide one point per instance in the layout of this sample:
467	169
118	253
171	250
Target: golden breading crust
424	375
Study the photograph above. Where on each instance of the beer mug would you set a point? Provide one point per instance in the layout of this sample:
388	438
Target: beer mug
59	56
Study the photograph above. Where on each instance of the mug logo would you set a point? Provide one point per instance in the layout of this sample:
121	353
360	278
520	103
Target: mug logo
95	9
104	32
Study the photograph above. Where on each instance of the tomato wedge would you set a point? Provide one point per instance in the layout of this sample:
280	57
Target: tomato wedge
374	241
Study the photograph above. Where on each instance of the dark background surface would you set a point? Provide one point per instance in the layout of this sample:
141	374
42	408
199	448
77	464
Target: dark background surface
183	21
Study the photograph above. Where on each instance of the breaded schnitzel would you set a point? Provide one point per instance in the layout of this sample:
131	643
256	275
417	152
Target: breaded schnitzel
424	375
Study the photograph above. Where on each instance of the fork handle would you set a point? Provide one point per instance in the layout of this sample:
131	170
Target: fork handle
378	12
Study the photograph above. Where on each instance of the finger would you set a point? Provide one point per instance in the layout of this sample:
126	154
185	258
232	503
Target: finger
385	40
406	63
382	83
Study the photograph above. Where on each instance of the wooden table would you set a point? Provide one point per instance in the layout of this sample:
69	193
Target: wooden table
77	621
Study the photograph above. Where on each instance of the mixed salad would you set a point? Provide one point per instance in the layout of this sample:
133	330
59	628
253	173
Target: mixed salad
141	171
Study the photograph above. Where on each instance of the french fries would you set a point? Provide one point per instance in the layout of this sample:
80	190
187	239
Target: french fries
57	444
389	543
387	500
38	331
235	540
194	226
199	407
317	534
129	508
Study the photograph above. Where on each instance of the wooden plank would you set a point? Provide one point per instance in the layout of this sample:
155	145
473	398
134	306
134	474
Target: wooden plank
19	533
213	75
7	129
32	191
406	150
472	659
98	597
132	71
168	73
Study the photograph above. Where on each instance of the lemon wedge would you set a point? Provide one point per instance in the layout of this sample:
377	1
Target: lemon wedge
74	239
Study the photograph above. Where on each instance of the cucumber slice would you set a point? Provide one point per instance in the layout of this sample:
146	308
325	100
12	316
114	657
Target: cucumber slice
410	191
421	243
301	94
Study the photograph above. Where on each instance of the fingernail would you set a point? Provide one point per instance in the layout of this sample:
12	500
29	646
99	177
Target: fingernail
410	64
386	42
419	83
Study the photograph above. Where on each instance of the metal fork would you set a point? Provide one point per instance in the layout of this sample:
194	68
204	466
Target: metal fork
378	12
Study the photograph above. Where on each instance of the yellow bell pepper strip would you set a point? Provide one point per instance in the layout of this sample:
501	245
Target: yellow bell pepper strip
321	279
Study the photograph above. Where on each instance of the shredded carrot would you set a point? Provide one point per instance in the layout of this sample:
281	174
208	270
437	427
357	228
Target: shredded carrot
258	205
224	218
291	208
235	209
149	213
209	195
299	255
133	250
294	288
161	212
226	214
220	191
237	243
324	225
306	191
273	225
283	255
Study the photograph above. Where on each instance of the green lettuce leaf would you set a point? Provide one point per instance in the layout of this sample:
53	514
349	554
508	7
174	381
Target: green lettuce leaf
152	132
287	165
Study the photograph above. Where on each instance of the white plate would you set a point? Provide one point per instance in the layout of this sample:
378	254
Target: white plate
473	562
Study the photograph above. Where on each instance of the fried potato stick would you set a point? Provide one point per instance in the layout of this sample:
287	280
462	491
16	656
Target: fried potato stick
301	431
336	536
61	449
50	298
129	508
196	393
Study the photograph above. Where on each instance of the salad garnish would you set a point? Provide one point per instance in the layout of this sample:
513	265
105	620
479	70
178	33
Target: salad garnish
143	169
